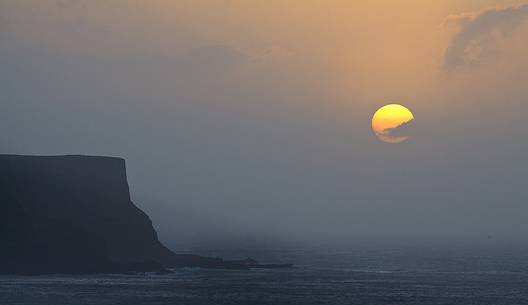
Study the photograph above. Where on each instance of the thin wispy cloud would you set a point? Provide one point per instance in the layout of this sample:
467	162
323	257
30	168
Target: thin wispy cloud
400	130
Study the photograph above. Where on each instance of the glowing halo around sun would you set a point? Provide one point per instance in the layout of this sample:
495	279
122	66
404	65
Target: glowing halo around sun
392	123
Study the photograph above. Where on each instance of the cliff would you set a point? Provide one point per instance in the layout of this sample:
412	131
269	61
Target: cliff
73	214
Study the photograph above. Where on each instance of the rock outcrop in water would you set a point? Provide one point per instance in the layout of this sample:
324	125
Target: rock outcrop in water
73	214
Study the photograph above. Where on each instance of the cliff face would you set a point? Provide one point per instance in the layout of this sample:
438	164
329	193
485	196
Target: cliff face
74	214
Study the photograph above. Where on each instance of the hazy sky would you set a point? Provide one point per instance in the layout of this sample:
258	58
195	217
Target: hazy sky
251	119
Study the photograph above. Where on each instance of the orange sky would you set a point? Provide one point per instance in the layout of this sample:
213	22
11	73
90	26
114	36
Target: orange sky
254	106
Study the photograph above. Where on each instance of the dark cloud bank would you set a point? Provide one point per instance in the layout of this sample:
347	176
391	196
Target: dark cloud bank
473	41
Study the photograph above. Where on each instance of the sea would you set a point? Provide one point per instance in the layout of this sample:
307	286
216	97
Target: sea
388	276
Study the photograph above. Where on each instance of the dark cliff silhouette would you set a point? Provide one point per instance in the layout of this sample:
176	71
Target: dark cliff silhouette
73	214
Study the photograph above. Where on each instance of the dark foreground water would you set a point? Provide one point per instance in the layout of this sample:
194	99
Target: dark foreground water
392	277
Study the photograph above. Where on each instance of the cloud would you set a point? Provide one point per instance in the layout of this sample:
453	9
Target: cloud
272	53
401	130
477	34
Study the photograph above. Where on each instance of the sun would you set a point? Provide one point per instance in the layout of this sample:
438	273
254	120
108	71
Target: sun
392	123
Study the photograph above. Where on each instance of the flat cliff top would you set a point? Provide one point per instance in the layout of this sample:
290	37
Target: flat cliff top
73	157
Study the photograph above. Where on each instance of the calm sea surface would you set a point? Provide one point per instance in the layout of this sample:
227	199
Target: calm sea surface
410	277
